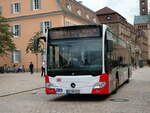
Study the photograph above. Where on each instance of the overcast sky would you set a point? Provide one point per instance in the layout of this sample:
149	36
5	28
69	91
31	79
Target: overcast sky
127	8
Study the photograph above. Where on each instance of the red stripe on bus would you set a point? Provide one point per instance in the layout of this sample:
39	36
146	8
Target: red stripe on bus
47	79
105	89
50	91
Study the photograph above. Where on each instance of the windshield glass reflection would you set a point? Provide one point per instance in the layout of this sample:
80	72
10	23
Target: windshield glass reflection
74	55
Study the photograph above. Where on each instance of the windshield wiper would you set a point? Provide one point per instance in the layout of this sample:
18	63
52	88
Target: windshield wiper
52	74
92	73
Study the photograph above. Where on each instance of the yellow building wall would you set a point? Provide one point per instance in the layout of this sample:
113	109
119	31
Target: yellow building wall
31	25
5	59
28	28
46	6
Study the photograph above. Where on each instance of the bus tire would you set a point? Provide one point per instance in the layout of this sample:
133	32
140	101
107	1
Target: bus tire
117	84
128	80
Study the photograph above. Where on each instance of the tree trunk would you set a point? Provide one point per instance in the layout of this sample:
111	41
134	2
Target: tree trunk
36	62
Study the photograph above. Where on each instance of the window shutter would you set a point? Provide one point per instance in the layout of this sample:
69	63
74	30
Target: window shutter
40	4
41	27
19	30
31	4
12	29
50	24
19	52
12	9
12	56
19	7
0	10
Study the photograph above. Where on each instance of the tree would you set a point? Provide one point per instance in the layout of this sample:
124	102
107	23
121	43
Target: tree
30	47
6	42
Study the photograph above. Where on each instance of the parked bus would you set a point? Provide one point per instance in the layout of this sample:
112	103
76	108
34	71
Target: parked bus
85	59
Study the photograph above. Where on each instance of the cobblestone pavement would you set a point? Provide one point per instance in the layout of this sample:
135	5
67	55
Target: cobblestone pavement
19	82
19	94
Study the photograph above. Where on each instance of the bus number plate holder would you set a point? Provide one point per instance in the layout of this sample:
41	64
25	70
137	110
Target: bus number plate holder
73	91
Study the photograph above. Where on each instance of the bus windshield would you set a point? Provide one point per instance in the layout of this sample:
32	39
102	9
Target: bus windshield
74	57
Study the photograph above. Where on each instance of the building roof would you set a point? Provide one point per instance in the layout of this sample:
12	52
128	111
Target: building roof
75	6
108	11
105	10
142	19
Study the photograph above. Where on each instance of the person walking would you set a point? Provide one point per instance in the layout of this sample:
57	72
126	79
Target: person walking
43	70
31	66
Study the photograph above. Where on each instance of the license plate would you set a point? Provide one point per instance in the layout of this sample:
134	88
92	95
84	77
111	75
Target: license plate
73	91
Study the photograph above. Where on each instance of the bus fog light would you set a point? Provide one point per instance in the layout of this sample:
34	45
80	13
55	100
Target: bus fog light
99	85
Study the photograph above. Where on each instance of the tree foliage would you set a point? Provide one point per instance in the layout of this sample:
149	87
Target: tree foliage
6	42
30	46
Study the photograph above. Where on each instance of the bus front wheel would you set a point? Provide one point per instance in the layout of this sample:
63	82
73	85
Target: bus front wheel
128	80
116	85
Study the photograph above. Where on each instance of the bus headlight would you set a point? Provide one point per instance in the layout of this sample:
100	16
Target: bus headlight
50	85
99	85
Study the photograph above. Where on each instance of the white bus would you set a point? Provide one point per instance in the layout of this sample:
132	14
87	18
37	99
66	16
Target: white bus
86	59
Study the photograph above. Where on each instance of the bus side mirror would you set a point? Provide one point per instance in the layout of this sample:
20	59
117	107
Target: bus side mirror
37	40
110	45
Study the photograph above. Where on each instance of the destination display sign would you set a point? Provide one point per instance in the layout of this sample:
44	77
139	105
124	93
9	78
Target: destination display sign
75	33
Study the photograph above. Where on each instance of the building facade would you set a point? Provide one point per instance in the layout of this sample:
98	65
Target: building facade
125	31
26	17
118	23
143	7
142	22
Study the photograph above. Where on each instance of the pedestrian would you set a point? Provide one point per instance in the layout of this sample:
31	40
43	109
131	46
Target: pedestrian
23	68
19	69
31	67
135	65
43	70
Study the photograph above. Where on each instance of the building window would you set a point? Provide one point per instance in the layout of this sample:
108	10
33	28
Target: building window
36	4
143	3
16	29
45	25
94	20
87	16
108	17
69	7
68	23
15	8
16	56
79	12
143	9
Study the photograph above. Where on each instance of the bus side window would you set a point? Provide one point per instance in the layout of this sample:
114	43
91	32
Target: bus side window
121	61
110	57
